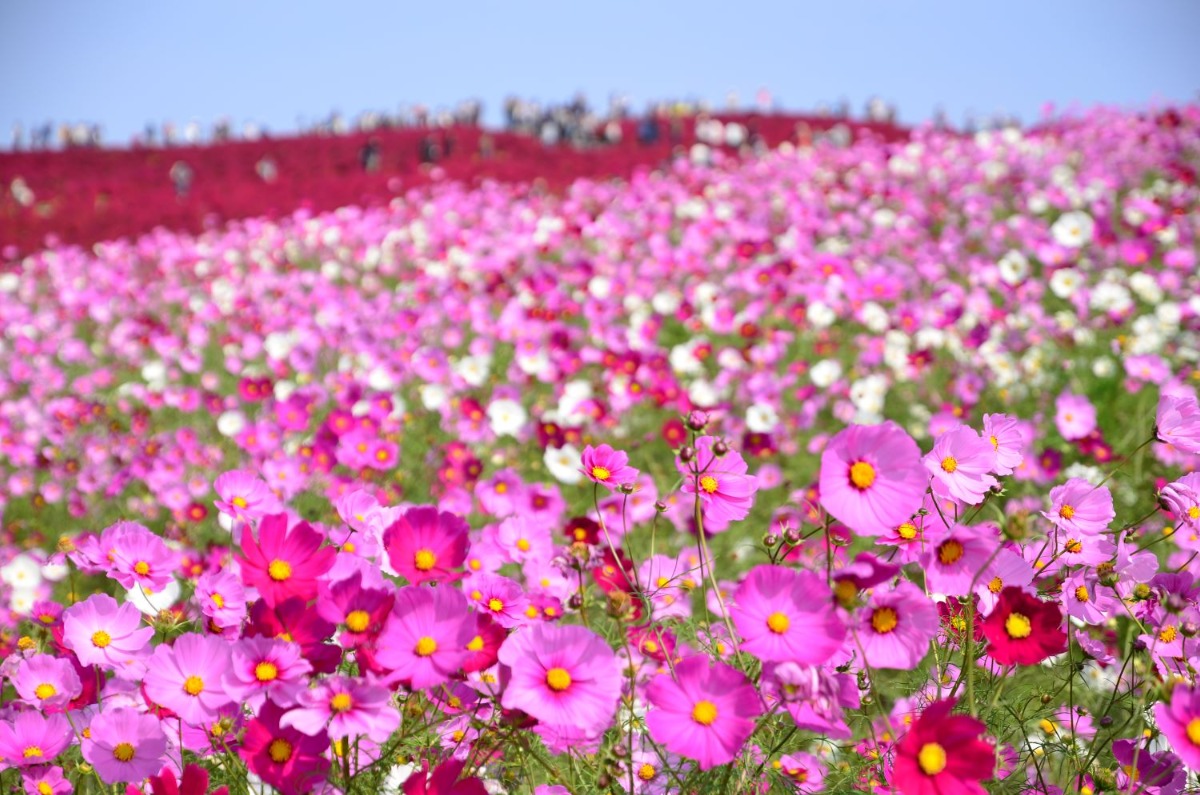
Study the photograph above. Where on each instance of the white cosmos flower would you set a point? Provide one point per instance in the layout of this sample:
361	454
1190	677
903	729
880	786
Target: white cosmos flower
507	417
563	463
1014	267
1065	282
23	572
761	418
473	369
231	423
1073	229
433	396
820	315
152	602
825	372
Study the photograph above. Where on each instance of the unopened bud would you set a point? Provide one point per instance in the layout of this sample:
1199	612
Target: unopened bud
575	602
1046	699
696	420
1189	629
660	506
719	448
792	536
626	488
770	540
687	453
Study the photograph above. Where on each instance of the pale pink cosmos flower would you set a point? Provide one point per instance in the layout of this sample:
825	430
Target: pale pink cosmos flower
186	677
46	682
1079	508
961	460
871	478
103	633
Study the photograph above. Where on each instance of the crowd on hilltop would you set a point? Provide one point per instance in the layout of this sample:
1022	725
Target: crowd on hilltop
574	121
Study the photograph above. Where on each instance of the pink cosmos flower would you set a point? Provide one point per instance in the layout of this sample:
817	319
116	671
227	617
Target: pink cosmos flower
186	677
726	492
1177	423
425	639
46	682
427	545
961	460
896	627
244	495
607	466
1079	508
47	780
1007	439
871	478
348	707
805	772
361	610
33	739
139	558
1074	415
784	615
103	633
284	562
705	712
942	754
1182	498
125	745
262	668
500	598
562	675
816	697
445	779
1180	722
285	758
222	598
953	561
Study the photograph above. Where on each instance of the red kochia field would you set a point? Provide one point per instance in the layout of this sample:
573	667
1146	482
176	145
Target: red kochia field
845	469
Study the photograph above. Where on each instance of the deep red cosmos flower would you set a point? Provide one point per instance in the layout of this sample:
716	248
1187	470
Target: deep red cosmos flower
1024	630
942	754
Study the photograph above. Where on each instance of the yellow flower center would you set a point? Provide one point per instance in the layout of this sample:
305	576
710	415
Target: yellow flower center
100	639
1067	511
949	552
778	623
33	752
142	568
218	600
266	671
862	475
907	531
358	620
193	685
44	789
884	620
425	646
341	702
708	483
845	590
557	679
1047	726
949	465
1018	626
1167	635
931	759
495	605
1194	512
280	751
646	772
123	752
45	690
601	473
523	544
279	570
1193	731
995	442
239	502
650	647
704	713
424	560
1074	546
996	585
476	643
1081	593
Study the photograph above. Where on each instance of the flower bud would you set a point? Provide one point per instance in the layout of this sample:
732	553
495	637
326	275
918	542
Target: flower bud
660	506
687	453
792	536
770	540
719	448
696	420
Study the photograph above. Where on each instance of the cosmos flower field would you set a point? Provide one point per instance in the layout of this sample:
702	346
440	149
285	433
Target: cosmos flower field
865	469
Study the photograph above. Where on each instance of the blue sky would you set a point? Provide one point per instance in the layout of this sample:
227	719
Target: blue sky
126	63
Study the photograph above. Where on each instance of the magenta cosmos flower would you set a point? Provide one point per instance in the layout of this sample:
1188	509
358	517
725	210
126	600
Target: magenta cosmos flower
705	712
285	758
1182	498
942	754
427	545
896	627
424	641
1180	722
33	739
125	745
139	558
784	615
871	478
46	682
726	492
285	562
607	466
1079	508
347	707
961	460
564	676
186	677
103	633
1177	423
